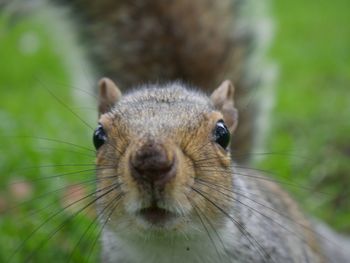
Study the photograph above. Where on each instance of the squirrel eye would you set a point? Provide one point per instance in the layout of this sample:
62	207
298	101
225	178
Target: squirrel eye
222	134
99	137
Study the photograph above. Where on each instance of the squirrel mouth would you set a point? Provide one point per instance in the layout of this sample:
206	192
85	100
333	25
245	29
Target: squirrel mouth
156	215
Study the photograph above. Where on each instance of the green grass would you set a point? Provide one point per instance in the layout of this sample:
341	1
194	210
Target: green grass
311	118
310	129
30	71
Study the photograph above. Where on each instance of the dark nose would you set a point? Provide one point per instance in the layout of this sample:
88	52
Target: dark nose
152	163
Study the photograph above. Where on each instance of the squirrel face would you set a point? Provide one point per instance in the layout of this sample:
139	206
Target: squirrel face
154	146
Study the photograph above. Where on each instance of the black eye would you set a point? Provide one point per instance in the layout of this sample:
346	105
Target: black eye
99	137
222	134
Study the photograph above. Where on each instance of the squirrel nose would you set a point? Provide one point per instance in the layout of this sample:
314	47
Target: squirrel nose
152	163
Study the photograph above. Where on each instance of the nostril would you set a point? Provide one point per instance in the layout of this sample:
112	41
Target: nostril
152	163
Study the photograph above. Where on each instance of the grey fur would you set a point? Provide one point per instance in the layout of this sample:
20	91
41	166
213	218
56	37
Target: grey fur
164	108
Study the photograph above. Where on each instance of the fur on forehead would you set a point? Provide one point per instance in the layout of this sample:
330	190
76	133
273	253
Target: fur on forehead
169	93
171	97
162	106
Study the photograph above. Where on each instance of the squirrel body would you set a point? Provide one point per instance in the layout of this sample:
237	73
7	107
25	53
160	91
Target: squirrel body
177	195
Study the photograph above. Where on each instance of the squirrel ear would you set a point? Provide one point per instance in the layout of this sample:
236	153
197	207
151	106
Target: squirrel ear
222	98
108	95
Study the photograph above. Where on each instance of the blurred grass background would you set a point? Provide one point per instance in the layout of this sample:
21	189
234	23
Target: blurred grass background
311	120
309	142
31	68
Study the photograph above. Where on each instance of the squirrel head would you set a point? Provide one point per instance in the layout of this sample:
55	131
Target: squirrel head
162	153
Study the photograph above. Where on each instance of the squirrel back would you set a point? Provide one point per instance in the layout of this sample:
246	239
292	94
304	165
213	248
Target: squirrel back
199	42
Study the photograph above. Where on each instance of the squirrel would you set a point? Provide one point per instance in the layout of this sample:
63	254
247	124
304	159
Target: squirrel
169	192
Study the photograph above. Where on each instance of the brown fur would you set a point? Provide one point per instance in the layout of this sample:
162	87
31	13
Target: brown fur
288	206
